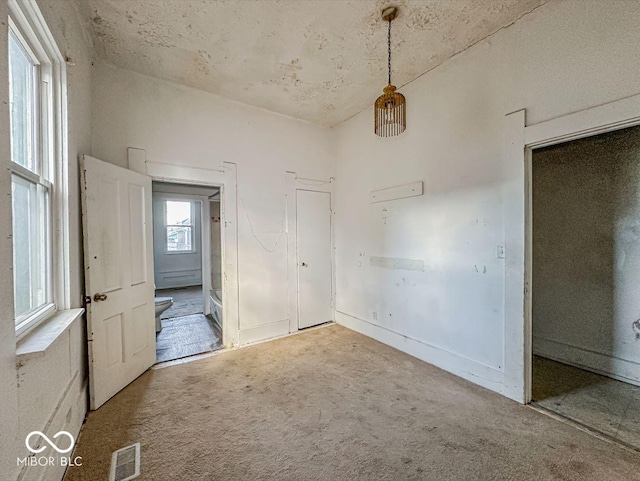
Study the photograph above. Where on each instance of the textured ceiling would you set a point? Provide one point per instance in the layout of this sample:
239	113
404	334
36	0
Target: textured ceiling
317	60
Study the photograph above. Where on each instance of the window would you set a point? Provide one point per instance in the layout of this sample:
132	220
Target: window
35	89
179	224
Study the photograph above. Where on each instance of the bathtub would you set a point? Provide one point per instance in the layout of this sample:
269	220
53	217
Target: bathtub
215	302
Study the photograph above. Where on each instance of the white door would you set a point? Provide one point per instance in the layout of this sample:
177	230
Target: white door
118	256
313	220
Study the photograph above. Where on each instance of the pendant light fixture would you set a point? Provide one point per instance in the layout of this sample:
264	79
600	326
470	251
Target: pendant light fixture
390	108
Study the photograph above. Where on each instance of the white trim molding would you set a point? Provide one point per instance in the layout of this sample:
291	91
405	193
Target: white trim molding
294	183
28	21
604	364
226	179
479	373
612	116
519	143
514	195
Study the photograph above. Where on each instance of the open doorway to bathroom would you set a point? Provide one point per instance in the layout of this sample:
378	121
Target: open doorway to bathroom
187	265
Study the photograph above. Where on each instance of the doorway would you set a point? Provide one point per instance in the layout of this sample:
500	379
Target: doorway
187	265
313	241
585	268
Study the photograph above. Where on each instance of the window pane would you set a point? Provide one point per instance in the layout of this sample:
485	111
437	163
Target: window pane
178	238
178	212
30	246
22	95
46	155
22	200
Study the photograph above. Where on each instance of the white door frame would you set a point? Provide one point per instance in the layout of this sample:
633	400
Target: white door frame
226	180
295	183
520	141
205	230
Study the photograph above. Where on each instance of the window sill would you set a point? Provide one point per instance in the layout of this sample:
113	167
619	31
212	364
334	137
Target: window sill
35	344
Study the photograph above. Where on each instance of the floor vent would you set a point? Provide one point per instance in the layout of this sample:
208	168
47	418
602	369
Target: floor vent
125	463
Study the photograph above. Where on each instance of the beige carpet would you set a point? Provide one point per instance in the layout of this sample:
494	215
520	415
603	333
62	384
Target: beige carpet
331	404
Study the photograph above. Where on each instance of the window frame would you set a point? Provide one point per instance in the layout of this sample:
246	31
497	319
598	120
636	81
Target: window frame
191	226
28	26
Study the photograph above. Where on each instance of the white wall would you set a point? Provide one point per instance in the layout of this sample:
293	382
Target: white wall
182	126
563	57
49	391
586	249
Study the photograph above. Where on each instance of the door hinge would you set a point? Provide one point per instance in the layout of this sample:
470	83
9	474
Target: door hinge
87	300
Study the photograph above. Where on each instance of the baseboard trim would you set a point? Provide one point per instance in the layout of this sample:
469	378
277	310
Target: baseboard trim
613	367
478	373
264	331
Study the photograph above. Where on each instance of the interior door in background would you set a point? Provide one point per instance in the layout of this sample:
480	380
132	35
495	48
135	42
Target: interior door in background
118	259
313	234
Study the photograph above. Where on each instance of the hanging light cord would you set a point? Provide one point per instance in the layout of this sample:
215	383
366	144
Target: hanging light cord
389	50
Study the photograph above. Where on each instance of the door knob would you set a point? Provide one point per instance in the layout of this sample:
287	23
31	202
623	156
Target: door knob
100	297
